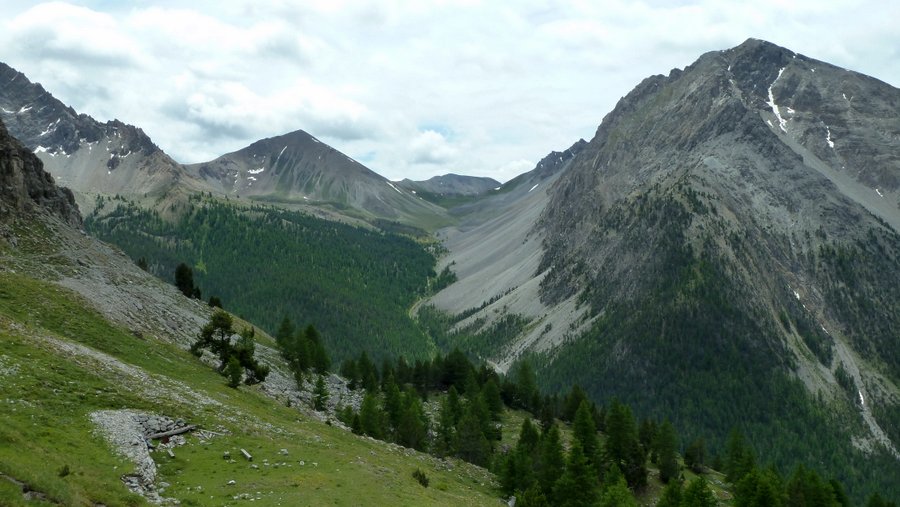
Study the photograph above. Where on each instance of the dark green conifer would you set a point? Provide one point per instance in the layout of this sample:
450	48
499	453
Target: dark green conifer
320	393
666	446
584	429
371	416
550	460
578	484
698	494
671	495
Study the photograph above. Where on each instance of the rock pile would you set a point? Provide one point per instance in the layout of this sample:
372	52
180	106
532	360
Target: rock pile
127	431
151	424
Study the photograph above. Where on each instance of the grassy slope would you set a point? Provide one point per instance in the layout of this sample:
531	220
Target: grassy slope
45	427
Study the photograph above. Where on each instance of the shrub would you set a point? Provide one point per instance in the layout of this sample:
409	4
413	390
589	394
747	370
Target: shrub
420	476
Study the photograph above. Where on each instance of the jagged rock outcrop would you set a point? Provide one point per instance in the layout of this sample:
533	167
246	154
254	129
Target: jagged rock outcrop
26	187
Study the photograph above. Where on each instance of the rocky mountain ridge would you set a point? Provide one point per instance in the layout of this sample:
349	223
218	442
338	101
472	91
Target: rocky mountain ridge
734	220
26	187
113	158
81	153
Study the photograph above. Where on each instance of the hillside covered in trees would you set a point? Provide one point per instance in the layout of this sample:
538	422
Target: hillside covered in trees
354	284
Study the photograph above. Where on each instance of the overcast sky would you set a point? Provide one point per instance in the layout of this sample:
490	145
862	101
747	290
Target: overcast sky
411	89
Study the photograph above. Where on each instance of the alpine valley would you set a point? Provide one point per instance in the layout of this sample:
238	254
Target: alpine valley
723	254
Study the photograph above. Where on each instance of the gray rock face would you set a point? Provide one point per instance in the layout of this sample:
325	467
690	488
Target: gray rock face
80	152
25	186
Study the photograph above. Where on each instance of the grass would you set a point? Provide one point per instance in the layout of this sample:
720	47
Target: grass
47	397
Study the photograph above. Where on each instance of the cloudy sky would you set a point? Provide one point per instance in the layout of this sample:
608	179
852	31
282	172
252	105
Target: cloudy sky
410	88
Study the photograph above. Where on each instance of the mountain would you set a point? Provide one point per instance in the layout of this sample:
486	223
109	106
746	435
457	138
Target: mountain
450	190
298	168
80	152
724	252
113	158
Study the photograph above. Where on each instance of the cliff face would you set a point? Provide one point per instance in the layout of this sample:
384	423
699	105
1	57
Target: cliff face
25	187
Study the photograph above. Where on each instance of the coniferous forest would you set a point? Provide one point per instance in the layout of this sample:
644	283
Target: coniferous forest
353	284
265	264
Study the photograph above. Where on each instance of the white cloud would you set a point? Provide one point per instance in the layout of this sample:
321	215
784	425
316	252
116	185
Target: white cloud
511	81
513	168
430	147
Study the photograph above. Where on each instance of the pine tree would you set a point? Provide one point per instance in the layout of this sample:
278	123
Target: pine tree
622	445
572	402
671	495
479	407
806	487
517	472
617	494
532	497
550	461
321	394
245	351
356	425
877	501
491	394
471	444
216	336
412	429
698	494
233	372
839	494
739	458
529	438
647	436
393	402
445	432
454	405
184	279
455	369
759	488
285	332
578	484
695	456
371	416
368	374
666	445
318	355
350	371
584	429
